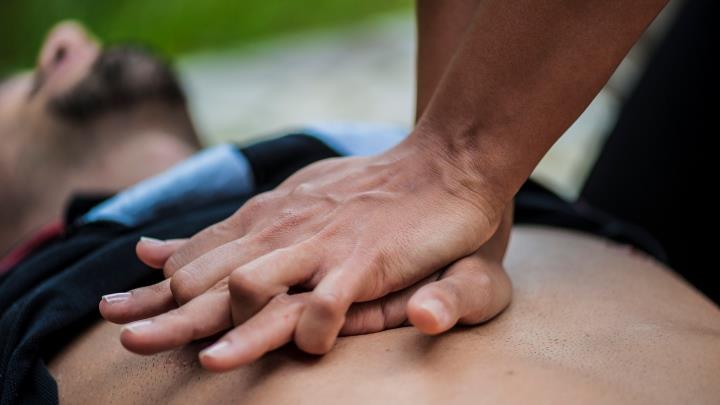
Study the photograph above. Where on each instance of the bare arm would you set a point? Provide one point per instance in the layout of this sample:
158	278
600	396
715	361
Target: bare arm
441	26
524	73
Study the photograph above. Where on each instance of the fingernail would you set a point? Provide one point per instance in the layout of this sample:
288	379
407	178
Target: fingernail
115	298
219	349
438	311
152	241
137	326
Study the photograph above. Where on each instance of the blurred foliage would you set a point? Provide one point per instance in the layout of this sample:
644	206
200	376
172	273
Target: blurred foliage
172	27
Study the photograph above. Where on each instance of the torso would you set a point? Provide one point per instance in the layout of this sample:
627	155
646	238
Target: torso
590	322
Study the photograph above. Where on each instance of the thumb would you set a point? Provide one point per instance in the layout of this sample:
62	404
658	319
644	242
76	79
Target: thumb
155	252
471	291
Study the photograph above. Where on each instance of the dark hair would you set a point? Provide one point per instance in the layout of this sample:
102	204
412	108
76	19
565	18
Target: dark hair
120	78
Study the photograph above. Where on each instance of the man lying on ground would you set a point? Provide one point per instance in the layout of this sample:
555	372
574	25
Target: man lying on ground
591	321
650	339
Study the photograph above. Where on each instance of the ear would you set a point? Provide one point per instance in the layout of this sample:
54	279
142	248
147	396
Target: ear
70	46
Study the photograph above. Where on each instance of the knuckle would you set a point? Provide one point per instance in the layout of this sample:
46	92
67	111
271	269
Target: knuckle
302	189
242	283
472	273
291	217
183	286
250	207
223	229
329	303
189	252
255	205
478	297
241	219
284	222
482	281
175	262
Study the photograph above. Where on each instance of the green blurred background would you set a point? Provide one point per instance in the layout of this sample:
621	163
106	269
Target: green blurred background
255	68
173	27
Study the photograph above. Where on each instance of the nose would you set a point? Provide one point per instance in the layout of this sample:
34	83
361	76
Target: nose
68	41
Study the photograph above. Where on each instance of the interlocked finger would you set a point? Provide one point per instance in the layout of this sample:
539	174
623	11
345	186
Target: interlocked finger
253	285
204	316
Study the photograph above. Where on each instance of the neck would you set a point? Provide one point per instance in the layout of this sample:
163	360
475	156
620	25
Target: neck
21	226
119	165
112	167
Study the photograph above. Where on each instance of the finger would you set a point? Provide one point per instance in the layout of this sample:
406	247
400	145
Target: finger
268	330
207	270
324	313
201	243
140	303
384	313
204	316
155	252
234	227
253	285
471	291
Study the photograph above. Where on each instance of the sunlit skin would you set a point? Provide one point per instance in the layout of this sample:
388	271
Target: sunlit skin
466	306
356	229
591	322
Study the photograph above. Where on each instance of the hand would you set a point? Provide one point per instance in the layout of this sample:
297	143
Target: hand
470	291
350	229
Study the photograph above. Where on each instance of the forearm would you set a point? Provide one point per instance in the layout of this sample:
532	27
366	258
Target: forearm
524	72
441	26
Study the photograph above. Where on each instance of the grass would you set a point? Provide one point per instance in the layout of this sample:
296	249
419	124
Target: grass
173	27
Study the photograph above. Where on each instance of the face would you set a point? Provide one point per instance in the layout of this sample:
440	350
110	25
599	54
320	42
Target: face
74	85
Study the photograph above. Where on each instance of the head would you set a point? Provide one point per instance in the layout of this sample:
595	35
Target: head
88	118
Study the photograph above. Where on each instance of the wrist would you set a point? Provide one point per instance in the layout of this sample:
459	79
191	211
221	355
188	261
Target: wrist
457	170
471	161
